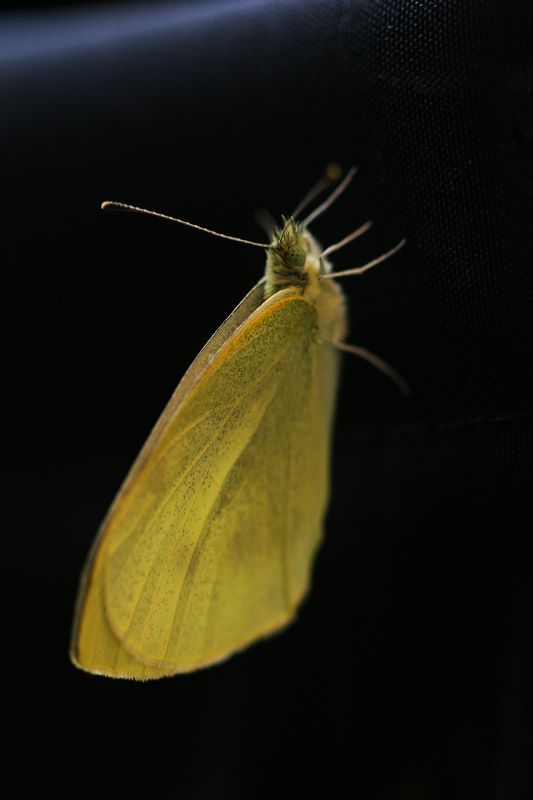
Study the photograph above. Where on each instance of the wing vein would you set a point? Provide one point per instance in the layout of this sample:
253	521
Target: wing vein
204	534
170	494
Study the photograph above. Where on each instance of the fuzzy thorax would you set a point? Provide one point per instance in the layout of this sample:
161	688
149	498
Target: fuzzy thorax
293	261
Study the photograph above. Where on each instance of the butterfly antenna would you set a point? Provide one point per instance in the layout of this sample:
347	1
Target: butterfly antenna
266	221
125	206
343	185
332	173
377	362
365	267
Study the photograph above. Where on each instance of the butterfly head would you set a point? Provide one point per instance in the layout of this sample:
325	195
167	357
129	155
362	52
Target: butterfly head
293	258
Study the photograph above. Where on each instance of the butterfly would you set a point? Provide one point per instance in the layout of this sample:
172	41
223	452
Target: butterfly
210	542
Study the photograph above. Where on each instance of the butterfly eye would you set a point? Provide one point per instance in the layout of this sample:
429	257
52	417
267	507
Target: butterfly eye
294	256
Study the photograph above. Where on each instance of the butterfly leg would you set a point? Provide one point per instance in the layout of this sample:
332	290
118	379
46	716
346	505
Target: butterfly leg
365	267
377	362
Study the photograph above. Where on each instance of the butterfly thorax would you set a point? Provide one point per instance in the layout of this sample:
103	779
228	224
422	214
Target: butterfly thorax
293	261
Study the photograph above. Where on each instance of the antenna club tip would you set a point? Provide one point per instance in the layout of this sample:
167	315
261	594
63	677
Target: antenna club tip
333	172
105	205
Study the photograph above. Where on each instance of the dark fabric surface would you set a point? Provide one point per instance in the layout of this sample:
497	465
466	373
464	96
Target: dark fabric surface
408	674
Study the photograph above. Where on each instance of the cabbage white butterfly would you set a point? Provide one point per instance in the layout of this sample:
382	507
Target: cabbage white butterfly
210	542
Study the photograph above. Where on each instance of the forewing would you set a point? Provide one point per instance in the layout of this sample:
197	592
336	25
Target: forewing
210	542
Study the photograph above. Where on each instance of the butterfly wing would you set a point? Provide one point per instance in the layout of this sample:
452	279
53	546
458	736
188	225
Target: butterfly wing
209	544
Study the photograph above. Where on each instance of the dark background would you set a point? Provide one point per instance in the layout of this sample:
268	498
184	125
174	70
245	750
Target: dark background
408	673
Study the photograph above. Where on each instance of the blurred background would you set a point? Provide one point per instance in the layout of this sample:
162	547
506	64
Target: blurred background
407	675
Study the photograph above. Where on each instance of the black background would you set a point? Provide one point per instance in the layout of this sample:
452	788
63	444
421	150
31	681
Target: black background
407	674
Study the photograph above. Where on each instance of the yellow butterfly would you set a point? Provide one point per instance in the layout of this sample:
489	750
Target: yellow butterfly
210	542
